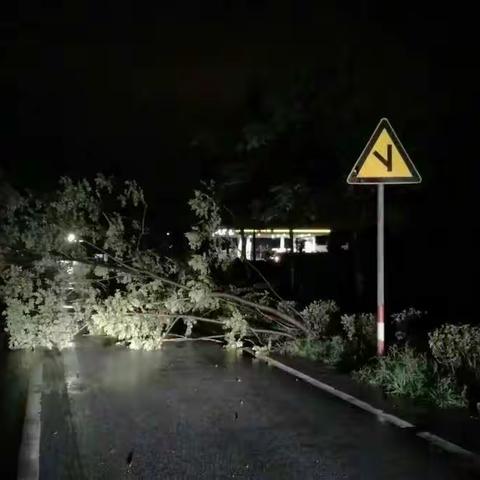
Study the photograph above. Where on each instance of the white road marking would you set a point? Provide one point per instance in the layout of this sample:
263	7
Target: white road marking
29	456
384	416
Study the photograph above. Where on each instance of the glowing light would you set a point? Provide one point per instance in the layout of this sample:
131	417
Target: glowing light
325	231
71	237
307	231
226	232
312	230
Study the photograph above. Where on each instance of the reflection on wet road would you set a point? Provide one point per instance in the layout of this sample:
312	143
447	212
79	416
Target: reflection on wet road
196	411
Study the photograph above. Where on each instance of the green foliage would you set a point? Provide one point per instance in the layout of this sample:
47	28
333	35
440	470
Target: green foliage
135	316
406	316
361	336
333	350
456	346
40	225
262	351
206	246
262	297
318	317
35	311
60	285
445	393
130	293
349	339
329	351
360	327
237	329
401	372
406	373
288	203
403	321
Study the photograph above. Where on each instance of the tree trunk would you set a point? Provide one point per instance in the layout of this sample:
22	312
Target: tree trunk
243	252
292	262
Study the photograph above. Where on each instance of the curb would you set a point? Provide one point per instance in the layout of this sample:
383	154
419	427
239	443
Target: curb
29	455
380	414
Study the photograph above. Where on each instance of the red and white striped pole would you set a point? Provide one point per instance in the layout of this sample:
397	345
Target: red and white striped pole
380	271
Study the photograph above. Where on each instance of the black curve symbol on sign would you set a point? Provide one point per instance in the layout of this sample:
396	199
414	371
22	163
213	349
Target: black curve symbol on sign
386	161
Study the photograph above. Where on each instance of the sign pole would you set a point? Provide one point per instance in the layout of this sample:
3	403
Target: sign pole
383	160
380	270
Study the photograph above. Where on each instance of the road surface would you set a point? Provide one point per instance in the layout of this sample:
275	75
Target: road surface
14	376
197	411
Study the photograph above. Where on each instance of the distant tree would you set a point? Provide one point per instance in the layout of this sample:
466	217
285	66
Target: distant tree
289	205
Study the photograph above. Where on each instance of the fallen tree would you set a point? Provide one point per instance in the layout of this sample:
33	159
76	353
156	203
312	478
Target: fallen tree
77	262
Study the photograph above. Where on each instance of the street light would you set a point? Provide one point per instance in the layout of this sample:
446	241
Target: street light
71	237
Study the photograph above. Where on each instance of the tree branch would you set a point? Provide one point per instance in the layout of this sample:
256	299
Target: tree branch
287	318
273	332
142	232
269	285
211	338
227	297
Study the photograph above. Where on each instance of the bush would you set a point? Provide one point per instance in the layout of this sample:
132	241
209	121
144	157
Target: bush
333	350
401	372
406	373
361	327
318	317
405	321
456	346
445	393
361	333
329	351
346	341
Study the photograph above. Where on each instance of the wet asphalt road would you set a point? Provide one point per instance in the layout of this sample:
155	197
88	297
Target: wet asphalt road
196	411
14	376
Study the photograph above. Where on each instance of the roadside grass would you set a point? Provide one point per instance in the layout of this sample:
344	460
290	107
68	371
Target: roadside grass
405	372
329	351
445	373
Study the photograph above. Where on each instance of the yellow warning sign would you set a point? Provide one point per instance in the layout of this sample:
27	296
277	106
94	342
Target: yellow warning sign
384	160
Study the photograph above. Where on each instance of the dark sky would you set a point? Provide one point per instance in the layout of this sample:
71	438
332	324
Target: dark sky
124	87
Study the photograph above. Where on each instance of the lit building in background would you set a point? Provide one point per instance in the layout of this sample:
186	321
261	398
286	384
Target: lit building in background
271	243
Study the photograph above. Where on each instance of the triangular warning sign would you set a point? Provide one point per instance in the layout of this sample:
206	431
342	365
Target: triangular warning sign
384	160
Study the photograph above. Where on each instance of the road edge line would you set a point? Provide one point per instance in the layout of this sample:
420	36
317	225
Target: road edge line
29	455
381	414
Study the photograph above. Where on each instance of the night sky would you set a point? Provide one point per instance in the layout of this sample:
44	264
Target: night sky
161	92
128	87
